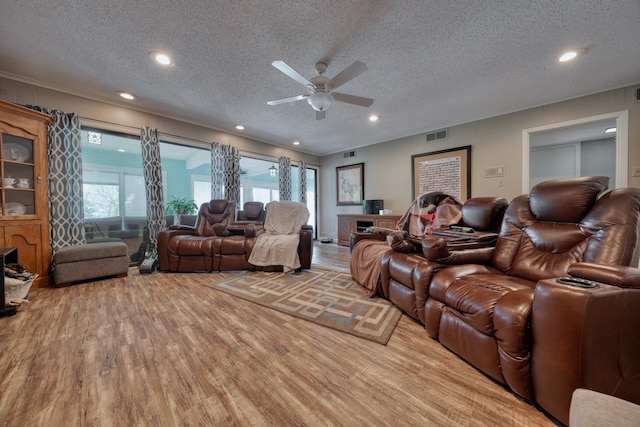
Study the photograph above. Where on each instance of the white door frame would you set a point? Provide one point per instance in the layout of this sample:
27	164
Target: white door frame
622	144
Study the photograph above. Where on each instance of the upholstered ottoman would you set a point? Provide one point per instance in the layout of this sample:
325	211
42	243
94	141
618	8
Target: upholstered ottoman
91	261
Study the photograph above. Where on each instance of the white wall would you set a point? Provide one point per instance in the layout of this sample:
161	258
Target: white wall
116	117
495	142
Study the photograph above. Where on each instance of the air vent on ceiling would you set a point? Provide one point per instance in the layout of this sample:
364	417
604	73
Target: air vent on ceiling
439	134
350	154
636	95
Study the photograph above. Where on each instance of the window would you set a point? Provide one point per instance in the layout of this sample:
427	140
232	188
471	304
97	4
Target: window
113	188
258	185
256	182
113	182
311	199
201	189
186	172
134	195
101	194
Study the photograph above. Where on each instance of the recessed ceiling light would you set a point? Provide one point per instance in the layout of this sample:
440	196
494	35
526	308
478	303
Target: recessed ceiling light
610	130
240	127
126	95
162	59
296	142
572	54
121	150
374	118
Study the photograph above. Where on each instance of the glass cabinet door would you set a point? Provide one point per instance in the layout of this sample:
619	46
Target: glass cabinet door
17	176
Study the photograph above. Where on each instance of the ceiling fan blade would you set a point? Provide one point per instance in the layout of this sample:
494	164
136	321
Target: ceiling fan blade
282	66
352	99
321	115
289	99
352	71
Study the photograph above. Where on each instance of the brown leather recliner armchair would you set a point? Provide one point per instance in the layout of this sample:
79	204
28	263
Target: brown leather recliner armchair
502	309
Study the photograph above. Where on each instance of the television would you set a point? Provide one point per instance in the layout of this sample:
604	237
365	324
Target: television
372	207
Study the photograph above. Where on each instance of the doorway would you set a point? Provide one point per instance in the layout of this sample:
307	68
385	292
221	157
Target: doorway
577	148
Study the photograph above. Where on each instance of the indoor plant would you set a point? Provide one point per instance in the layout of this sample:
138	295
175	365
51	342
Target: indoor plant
181	206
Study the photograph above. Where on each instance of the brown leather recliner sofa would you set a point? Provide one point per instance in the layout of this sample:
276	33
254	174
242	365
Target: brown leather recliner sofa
502	309
252	212
215	243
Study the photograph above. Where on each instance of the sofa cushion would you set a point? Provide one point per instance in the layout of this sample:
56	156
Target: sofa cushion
548	199
189	245
90	252
484	213
472	292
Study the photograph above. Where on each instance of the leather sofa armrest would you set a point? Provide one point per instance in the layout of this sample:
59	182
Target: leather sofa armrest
584	337
163	243
181	227
622	277
305	247
253	230
436	249
357	236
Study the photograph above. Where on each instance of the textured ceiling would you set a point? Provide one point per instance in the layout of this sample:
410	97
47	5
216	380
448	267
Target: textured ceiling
431	64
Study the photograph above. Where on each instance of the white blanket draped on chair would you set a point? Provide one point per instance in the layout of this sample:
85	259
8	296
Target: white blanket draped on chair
279	243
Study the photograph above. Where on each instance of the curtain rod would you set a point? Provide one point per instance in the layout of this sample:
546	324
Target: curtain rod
261	156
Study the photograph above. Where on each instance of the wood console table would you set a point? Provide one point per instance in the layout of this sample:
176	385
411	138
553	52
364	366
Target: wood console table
353	222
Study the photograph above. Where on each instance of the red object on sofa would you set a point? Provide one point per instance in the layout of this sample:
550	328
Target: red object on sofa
502	310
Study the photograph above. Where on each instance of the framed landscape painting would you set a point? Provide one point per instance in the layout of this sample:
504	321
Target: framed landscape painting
350	184
448	171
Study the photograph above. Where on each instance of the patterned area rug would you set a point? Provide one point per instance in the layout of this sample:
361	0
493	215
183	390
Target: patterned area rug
325	297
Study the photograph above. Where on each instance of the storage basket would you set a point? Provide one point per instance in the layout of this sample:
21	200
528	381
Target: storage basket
16	288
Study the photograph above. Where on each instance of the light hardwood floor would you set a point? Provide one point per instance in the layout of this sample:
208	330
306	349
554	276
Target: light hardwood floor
164	350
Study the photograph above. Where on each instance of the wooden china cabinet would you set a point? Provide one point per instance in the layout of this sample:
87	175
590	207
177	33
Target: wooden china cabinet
24	207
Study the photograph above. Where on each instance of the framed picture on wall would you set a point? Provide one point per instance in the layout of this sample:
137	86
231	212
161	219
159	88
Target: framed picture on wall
448	171
350	184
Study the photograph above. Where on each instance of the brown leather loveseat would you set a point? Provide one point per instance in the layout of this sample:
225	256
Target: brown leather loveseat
502	309
216	243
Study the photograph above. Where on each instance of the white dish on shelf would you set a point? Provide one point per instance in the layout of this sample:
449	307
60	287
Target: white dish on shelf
15	152
15	208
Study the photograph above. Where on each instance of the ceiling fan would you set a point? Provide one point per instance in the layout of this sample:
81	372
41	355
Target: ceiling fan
320	88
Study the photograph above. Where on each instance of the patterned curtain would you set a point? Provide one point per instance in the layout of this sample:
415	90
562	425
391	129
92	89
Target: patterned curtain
284	182
66	211
232	173
153	184
217	171
225	172
302	181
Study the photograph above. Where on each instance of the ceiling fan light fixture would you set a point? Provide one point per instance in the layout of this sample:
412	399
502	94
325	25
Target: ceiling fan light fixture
320	101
